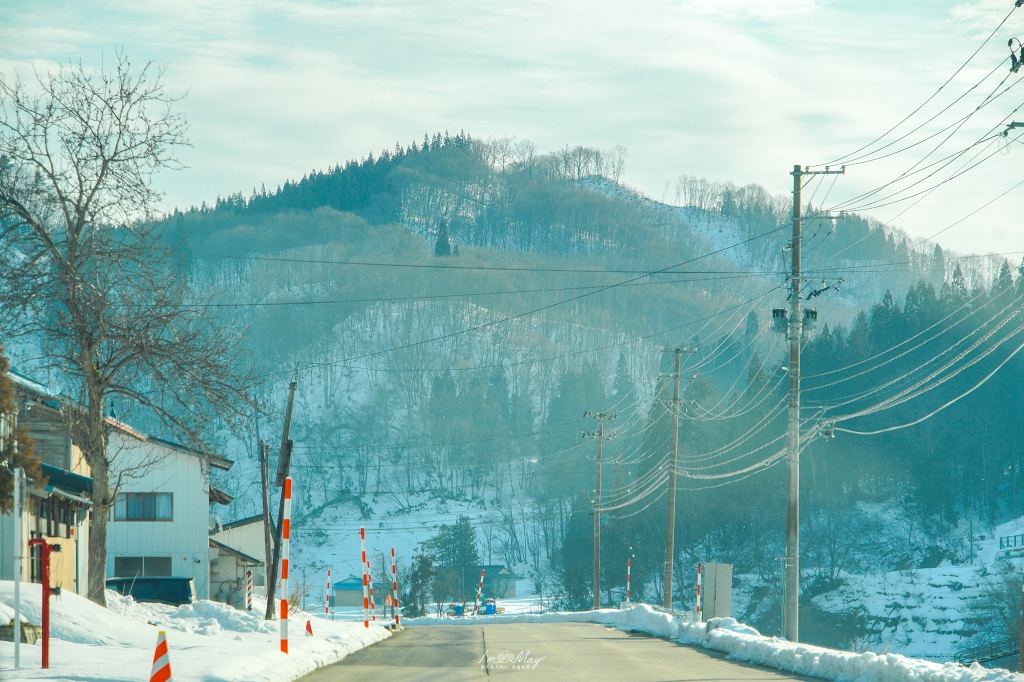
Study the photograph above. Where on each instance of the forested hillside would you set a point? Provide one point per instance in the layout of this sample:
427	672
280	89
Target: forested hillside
453	308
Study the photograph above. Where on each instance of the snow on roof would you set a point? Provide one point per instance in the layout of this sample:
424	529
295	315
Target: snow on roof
31	384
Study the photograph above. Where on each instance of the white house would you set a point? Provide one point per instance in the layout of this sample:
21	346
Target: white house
159	524
246	536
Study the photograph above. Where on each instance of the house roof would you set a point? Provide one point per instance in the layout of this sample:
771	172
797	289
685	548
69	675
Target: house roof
494	569
31	385
353	582
219	496
66	480
215	460
243	522
49	396
220	546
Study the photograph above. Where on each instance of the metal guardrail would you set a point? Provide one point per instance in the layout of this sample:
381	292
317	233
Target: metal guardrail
1011	541
988	652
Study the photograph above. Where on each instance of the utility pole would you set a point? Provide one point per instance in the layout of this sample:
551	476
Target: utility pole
284	462
268	523
19	504
600	438
795	329
1020	654
670	530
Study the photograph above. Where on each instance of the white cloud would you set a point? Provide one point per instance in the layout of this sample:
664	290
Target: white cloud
731	89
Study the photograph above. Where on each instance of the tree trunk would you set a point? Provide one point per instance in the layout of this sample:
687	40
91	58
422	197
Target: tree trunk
98	531
95	451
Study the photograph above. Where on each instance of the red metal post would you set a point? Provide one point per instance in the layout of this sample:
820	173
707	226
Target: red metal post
44	549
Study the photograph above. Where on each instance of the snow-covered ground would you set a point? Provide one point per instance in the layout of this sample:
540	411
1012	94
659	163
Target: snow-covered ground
744	643
207	641
926	612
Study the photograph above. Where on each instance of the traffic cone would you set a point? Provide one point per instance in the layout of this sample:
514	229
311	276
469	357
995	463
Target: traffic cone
161	660
309	629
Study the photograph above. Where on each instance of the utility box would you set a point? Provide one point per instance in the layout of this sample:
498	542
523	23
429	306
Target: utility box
717	591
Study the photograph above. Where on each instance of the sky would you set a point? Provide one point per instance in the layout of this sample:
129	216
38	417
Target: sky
730	90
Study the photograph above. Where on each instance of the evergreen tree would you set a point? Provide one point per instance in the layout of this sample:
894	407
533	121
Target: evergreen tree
442	247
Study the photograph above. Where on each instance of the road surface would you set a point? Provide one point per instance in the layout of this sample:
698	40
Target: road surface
537	652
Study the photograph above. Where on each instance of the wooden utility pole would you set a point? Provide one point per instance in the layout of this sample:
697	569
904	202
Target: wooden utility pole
792	591
795	331
600	438
670	530
1020	645
268	523
284	462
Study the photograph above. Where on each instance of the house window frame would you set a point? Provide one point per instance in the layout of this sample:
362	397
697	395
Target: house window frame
121	503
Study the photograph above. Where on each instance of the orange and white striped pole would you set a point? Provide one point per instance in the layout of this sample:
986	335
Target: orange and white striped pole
327	599
366	593
373	604
700	571
161	660
628	567
394	588
479	590
286	536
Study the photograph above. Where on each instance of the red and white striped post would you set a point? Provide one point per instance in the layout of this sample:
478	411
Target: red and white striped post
248	590
700	571
476	605
286	536
373	604
327	599
628	566
366	593
394	588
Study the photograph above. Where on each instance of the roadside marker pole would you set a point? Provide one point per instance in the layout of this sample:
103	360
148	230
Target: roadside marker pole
394	588
373	604
476	605
700	570
248	590
286	536
327	599
366	593
627	578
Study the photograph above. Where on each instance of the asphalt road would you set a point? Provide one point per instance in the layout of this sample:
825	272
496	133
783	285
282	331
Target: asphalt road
536	651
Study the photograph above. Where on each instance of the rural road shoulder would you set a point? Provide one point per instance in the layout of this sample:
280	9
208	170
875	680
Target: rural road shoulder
538	651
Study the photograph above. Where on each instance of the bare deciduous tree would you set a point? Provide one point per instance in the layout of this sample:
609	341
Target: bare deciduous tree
87	274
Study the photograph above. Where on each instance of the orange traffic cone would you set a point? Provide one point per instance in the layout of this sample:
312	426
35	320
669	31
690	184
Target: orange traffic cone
161	660
309	629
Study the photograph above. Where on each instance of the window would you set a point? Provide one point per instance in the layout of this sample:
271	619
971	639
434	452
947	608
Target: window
131	566
144	507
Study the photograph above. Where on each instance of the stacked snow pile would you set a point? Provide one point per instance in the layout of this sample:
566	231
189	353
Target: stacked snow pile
202	617
207	641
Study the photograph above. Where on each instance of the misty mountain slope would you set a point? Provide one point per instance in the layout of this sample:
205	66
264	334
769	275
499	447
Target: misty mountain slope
451	319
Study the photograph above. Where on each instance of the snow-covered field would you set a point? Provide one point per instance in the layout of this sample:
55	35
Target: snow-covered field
743	643
207	640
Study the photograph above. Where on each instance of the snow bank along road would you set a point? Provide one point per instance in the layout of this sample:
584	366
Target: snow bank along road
209	641
528	642
541	651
